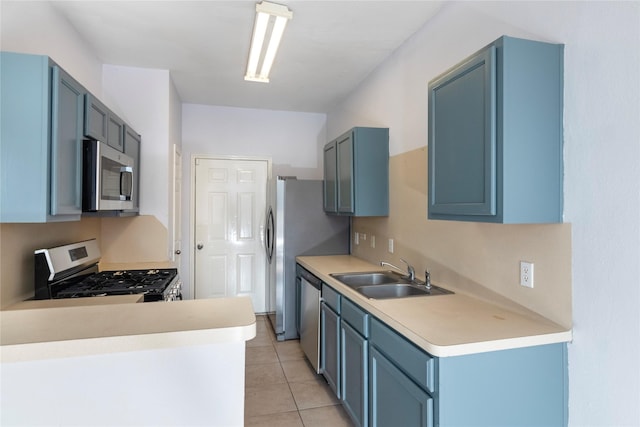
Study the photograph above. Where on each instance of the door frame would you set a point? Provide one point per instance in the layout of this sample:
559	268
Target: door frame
192	205
176	205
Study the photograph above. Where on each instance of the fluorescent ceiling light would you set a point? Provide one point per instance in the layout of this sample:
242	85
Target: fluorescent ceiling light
264	11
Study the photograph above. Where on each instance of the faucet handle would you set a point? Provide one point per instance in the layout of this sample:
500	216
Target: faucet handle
410	270
427	279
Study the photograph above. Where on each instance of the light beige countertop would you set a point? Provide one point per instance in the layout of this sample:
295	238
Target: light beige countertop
443	325
76	302
35	330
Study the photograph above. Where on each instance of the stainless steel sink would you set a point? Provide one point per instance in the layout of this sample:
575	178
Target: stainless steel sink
356	280
387	284
399	290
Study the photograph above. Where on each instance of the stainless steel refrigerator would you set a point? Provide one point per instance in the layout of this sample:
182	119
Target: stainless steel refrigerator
296	225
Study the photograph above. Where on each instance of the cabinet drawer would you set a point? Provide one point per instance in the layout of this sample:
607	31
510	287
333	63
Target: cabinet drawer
331	298
414	362
357	318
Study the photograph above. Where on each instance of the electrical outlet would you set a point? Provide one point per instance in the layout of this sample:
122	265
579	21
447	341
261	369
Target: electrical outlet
363	236
526	274
373	241
390	246
356	238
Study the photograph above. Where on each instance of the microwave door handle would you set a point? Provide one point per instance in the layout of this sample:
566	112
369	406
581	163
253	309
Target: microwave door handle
125	193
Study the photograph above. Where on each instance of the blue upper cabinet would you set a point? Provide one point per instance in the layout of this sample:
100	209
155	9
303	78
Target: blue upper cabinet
102	124
495	135
330	178
41	133
356	173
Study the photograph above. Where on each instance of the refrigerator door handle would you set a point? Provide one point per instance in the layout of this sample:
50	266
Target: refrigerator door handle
269	235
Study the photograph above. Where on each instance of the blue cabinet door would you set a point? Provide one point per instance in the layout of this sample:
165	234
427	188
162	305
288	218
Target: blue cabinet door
355	374
40	153
395	399
102	124
495	136
330	347
330	183
115	132
66	144
344	148
132	142
356	173
96	119
462	139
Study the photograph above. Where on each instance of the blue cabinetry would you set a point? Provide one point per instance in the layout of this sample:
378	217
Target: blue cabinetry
402	378
395	399
330	182
330	337
356	173
41	131
102	124
495	135
519	387
383	379
354	351
132	142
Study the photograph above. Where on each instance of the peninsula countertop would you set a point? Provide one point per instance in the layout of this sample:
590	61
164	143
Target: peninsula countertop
36	330
443	325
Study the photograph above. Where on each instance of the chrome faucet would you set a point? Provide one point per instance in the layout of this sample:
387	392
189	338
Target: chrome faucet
411	273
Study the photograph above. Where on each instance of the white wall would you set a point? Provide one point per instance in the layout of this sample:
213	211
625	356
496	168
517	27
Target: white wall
602	172
142	97
37	28
293	141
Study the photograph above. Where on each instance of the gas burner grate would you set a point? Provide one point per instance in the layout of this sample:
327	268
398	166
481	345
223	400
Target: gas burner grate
121	282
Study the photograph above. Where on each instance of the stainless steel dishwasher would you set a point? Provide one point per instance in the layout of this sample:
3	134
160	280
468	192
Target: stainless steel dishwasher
310	293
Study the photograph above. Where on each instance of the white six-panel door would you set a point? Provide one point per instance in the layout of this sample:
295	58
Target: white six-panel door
229	255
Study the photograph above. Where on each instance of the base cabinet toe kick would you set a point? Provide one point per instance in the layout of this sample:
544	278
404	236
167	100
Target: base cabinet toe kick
383	379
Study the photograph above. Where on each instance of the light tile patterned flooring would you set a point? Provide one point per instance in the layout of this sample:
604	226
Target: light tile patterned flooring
281	387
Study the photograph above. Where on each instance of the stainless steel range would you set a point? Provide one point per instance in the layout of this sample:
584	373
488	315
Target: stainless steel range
71	271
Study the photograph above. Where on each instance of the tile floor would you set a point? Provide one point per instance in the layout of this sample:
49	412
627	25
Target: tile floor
281	387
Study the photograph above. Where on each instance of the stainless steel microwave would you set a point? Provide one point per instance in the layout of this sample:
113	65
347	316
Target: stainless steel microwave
107	180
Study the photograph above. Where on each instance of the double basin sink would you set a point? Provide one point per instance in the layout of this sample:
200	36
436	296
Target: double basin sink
387	285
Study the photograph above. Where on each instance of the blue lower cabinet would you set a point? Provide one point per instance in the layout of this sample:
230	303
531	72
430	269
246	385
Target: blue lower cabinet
354	361
383	379
395	399
330	347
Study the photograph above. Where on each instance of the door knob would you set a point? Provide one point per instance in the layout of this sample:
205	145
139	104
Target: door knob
200	246
178	252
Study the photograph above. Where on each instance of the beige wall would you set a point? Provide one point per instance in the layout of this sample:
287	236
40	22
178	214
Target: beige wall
483	259
134	239
19	241
121	240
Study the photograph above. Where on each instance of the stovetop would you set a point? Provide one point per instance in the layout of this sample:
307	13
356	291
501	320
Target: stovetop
71	271
153	282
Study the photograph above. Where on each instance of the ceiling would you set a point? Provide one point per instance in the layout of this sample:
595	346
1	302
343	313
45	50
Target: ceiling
329	47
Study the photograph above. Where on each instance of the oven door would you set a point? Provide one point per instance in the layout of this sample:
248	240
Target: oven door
108	178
